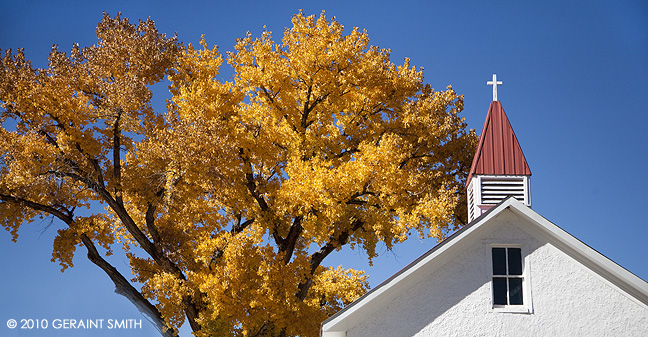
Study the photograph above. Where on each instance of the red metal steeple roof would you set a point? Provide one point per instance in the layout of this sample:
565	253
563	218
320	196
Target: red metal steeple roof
498	152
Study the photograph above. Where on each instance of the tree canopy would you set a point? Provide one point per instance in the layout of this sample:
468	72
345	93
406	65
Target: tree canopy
228	202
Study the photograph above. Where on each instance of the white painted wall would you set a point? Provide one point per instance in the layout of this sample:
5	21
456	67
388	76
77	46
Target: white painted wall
453	298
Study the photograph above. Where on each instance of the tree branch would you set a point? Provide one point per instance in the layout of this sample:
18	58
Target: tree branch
307	109
291	239
236	229
239	227
252	187
124	288
334	242
149	217
67	218
117	159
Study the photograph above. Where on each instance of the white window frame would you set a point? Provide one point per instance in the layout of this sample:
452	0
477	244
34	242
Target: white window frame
526	307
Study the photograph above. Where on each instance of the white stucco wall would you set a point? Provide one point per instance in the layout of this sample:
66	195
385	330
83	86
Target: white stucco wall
453	298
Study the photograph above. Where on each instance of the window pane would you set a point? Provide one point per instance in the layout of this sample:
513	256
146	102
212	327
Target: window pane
499	290
514	261
499	261
515	291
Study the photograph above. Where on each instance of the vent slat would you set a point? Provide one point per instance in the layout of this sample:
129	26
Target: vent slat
502	182
502	195
511	188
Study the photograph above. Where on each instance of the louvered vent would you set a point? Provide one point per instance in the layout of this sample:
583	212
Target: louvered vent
495	190
484	192
471	201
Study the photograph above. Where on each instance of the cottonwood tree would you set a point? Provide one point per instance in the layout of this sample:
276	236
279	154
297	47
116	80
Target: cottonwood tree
228	203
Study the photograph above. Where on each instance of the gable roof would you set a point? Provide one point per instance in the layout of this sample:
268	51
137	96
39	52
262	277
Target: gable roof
589	257
498	151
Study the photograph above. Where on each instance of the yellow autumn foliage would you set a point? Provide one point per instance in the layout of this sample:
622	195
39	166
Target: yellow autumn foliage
228	203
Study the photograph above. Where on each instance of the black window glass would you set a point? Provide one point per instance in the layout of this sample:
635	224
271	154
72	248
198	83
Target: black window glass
499	290
499	261
515	291
514	261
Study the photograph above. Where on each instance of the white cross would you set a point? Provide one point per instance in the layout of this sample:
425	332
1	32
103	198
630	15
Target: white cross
494	83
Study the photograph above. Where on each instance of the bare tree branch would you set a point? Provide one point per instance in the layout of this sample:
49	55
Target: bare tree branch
124	288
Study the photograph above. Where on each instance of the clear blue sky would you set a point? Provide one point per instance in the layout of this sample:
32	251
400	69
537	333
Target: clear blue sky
575	89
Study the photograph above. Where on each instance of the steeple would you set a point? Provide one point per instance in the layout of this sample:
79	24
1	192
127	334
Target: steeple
499	169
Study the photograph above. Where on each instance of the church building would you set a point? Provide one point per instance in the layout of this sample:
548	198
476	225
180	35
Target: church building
509	272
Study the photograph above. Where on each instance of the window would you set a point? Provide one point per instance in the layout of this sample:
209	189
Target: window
508	277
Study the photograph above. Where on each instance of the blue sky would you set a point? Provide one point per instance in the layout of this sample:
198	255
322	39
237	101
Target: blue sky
575	81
